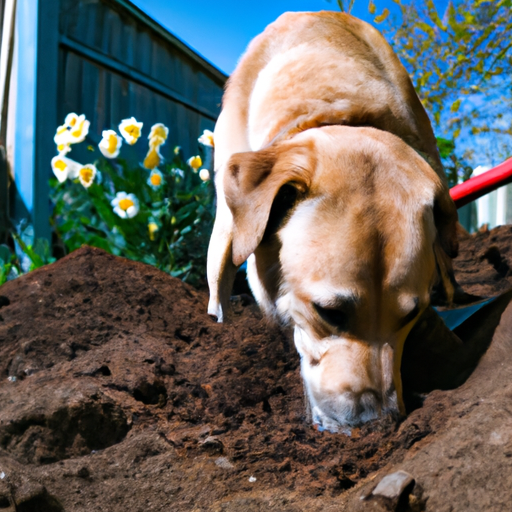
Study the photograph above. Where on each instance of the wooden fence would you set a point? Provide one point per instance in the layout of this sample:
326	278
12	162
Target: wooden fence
105	59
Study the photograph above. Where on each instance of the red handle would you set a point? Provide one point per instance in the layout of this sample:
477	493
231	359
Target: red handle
476	187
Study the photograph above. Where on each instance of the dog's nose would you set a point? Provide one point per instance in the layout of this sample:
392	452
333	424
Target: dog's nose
346	410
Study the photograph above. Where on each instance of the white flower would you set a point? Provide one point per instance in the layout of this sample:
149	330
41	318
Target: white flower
195	162
62	137
79	130
87	174
204	174
159	130
65	168
73	131
155	179
71	120
110	144
207	138
125	205
178	172
130	129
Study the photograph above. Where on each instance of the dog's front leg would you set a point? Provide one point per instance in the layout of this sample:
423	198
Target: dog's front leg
220	267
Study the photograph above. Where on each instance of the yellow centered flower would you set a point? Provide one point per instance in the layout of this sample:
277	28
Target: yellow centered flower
87	174
60	165
124	204
110	144
133	130
207	138
153	158
156	180
64	168
130	129
159	130
79	130
195	162
71	120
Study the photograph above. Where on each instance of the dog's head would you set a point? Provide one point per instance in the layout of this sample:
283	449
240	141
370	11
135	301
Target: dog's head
370	231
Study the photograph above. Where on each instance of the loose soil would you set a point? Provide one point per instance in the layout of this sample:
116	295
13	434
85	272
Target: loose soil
118	392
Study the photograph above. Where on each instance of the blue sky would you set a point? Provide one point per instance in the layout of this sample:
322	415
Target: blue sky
220	31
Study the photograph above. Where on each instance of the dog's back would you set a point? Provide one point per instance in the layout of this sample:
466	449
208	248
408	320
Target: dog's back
314	69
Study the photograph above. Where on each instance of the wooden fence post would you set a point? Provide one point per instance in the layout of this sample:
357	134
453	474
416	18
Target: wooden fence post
45	121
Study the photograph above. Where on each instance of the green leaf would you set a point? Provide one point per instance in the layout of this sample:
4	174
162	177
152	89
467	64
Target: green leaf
456	105
382	16
446	147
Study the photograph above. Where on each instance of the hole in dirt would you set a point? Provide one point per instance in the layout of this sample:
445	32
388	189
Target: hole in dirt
103	370
4	502
68	432
150	394
436	358
41	502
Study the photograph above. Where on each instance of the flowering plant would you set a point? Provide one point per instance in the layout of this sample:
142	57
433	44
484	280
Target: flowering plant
159	212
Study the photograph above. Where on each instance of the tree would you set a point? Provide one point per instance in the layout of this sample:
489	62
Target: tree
460	62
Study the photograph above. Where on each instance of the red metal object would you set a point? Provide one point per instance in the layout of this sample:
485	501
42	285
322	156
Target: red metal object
476	187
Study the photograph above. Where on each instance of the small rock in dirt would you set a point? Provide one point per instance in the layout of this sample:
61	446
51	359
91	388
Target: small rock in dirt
393	493
212	445
223	463
394	485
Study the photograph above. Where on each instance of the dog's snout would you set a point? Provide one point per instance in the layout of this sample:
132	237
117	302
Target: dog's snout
348	409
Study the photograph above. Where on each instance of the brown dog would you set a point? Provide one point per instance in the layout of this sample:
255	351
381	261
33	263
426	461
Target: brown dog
329	182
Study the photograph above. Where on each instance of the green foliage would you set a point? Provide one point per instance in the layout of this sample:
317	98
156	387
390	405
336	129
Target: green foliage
460	62
8	267
28	254
170	230
347	6
456	168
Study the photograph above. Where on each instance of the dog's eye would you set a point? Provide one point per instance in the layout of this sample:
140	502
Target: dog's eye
333	316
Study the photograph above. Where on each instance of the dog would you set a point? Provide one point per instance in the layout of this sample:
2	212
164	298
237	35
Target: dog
329	183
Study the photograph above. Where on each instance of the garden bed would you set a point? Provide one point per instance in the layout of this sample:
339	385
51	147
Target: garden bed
118	391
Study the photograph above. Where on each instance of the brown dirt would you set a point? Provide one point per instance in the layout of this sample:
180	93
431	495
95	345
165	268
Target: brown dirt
118	392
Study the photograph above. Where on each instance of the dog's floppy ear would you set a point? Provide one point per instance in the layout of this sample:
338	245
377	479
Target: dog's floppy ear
252	181
446	247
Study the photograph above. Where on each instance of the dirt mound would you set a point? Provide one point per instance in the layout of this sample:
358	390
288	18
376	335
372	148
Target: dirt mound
118	390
